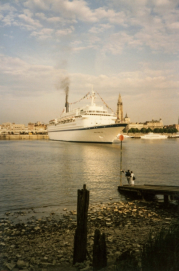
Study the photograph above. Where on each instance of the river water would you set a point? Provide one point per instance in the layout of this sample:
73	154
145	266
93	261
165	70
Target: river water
43	174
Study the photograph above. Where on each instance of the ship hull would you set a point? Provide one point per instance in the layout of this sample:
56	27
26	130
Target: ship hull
95	134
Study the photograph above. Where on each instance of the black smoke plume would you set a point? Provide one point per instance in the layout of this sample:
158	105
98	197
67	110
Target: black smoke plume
64	84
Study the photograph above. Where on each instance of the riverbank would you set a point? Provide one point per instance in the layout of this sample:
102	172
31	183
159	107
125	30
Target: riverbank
23	137
46	243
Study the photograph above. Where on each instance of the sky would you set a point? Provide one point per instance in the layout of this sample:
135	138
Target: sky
127	47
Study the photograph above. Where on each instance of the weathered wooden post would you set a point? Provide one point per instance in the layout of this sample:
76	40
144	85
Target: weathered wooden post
121	138
99	251
80	239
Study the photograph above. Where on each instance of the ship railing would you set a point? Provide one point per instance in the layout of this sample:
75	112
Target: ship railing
66	120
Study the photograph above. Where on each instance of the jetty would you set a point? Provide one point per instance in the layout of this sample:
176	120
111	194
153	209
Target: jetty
146	191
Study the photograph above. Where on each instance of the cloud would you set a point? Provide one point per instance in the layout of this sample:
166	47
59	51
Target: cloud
40	15
9	36
8	19
64	32
100	28
81	48
54	19
174	25
152	24
116	43
110	15
37	4
7	7
137	81
7	14
43	34
25	79
76	10
27	18
49	33
152	87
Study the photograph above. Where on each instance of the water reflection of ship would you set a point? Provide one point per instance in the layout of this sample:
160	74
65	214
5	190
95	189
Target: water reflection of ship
91	123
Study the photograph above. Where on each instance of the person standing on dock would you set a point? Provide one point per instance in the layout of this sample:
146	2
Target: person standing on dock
128	175
132	178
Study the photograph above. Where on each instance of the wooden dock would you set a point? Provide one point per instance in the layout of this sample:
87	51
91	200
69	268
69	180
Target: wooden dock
148	190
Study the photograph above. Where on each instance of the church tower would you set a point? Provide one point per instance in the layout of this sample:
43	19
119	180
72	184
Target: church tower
127	119
119	110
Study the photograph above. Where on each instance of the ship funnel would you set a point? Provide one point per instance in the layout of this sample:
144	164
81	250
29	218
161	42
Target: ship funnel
66	102
64	84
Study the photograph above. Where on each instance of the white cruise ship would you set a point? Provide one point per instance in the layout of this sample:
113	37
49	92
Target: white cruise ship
91	123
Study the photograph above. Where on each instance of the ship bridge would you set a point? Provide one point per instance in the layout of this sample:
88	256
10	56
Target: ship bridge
95	110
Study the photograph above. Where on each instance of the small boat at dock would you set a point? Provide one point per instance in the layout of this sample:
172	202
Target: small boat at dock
154	136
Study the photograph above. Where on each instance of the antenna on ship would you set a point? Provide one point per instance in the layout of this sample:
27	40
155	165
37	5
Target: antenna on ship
93	96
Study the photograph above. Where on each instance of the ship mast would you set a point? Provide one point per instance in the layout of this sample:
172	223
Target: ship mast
93	97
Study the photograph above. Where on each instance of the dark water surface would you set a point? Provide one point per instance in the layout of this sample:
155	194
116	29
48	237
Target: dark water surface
48	173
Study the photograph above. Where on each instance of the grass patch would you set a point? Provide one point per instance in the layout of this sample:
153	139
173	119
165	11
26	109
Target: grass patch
160	253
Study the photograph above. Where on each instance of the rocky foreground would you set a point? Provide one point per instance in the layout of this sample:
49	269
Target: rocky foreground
47	244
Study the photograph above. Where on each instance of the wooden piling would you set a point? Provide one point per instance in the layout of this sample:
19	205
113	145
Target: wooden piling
99	251
166	199
80	239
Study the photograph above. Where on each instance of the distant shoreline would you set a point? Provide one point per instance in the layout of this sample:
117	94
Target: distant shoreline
23	137
46	137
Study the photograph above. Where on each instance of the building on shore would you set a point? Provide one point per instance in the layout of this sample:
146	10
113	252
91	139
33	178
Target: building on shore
32	128
127	119
153	124
120	117
18	128
148	124
40	127
6	125
119	110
